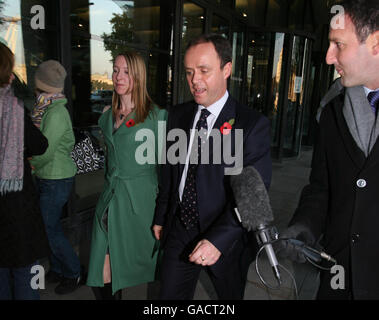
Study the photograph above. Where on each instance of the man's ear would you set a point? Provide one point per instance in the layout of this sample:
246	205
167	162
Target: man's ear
227	70
373	42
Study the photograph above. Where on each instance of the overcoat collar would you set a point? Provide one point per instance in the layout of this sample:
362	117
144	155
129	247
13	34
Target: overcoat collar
355	153
373	157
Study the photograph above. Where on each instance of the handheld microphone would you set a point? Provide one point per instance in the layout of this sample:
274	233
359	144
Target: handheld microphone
254	210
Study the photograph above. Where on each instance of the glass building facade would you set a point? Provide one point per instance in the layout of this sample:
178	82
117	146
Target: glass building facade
278	46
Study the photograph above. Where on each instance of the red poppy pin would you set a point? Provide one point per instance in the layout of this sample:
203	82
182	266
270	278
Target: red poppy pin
130	123
227	127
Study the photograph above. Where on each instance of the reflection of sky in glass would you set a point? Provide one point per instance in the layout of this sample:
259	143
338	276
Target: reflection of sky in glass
101	12
11	35
279	41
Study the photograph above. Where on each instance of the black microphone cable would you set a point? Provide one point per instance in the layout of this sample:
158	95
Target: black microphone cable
312	255
279	265
309	253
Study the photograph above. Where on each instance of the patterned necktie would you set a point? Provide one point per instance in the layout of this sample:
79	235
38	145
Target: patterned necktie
189	211
373	98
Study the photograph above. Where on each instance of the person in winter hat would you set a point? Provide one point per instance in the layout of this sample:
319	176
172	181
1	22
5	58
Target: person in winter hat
55	171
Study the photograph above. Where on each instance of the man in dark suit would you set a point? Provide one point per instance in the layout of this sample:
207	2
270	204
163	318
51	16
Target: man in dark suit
195	218
341	202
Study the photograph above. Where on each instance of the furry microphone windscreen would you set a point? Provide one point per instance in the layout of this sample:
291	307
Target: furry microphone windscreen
251	198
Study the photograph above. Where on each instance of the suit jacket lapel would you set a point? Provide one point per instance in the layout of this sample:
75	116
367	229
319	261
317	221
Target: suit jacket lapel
185	123
227	113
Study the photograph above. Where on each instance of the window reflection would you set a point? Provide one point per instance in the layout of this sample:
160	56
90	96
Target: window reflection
225	3
192	26
258	62
265	77
296	14
102	29
30	47
296	92
220	26
235	83
193	22
159	78
277	81
253	12
277	13
11	35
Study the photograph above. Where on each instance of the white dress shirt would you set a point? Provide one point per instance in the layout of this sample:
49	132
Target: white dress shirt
367	90
214	110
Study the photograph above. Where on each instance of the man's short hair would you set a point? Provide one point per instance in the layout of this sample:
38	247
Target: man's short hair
221	44
364	14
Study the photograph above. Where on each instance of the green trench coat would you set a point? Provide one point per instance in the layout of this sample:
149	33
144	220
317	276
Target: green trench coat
129	194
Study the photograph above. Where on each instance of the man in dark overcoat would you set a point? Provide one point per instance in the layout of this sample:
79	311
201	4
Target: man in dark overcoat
340	206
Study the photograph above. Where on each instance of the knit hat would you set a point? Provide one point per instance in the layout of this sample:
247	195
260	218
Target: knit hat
50	76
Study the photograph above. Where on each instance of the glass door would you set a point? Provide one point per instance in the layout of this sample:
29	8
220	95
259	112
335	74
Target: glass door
276	67
296	96
193	24
236	78
265	78
258	64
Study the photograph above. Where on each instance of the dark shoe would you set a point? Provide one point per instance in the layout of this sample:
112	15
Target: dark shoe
68	285
83	275
105	293
53	277
118	295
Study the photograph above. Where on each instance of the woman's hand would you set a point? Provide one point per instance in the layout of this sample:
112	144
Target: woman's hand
157	231
30	158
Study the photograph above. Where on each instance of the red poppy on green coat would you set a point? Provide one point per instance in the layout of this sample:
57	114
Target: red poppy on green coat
130	123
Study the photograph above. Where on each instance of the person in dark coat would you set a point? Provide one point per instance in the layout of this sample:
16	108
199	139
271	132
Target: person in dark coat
194	218
341	202
22	234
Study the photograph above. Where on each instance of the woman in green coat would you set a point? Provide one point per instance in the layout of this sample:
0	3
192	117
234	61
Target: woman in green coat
123	248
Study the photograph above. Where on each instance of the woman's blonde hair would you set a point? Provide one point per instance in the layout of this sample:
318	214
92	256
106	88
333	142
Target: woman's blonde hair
140	97
6	64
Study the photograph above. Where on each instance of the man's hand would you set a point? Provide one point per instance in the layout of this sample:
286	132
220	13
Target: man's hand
157	231
205	253
288	250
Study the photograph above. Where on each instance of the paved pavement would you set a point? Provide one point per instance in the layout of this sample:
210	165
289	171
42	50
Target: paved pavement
288	179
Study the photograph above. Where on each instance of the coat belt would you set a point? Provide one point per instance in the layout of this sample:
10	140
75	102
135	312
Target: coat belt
132	176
